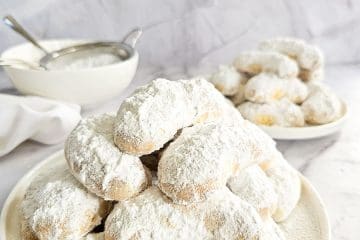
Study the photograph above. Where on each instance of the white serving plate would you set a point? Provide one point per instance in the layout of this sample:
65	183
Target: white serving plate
308	221
307	132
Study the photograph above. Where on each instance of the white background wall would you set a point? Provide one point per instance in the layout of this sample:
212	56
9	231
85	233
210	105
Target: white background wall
192	34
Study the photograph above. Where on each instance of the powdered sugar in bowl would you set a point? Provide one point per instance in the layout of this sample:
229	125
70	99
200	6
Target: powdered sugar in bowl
89	80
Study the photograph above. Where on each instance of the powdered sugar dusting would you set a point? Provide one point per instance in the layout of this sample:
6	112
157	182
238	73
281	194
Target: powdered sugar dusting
215	144
265	88
255	62
227	80
56	206
254	187
152	216
155	112
296	90
204	156
281	113
308	56
287	185
322	106
95	160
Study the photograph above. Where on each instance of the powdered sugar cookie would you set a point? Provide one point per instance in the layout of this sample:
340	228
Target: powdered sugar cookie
97	163
309	57
197	149
296	90
204	156
281	113
227	80
255	62
322	106
287	185
265	88
51	202
155	112
151	215
254	187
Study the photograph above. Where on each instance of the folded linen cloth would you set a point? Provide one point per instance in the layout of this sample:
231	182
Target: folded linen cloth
43	120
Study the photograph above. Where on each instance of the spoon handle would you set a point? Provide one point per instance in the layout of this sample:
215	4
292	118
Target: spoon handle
11	22
132	37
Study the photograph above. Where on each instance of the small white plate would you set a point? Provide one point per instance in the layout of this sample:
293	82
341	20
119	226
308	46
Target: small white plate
307	132
308	221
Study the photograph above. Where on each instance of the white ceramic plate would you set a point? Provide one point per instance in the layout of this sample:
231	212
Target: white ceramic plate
308	221
307	132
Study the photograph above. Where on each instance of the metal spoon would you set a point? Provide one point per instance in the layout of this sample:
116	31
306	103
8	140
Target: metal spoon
11	22
123	50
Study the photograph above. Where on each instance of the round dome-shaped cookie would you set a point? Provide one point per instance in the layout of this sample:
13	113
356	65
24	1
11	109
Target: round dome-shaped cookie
99	165
151	215
155	112
57	206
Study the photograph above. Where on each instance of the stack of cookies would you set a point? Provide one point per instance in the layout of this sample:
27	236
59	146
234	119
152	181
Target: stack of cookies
177	161
279	84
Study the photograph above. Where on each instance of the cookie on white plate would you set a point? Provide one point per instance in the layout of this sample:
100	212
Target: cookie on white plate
267	87
51	202
282	113
227	80
255	62
322	106
308	56
99	165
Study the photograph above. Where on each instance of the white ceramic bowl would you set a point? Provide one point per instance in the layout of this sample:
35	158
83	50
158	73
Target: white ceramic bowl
83	86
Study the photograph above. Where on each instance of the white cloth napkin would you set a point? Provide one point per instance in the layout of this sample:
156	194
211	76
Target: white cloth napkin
43	120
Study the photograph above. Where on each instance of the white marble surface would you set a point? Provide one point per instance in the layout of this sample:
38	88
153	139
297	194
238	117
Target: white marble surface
332	163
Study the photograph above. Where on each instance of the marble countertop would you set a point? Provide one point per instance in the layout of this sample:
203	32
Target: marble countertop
331	163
